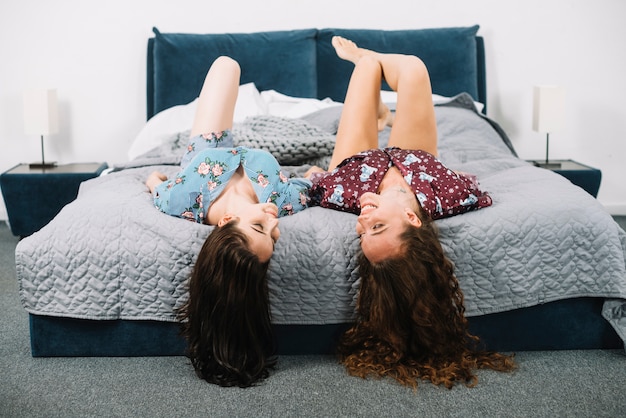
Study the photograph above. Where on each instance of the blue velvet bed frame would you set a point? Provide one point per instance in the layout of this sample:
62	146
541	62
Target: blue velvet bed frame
302	63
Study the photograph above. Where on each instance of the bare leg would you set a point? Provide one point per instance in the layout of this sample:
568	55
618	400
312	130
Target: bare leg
385	116
358	126
216	103
414	125
349	51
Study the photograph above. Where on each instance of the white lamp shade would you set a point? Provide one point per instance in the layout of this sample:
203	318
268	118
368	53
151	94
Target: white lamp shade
548	108
41	115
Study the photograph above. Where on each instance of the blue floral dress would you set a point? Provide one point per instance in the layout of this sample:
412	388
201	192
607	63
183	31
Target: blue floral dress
209	163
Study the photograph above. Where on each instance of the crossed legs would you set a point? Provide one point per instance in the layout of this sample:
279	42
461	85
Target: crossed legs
414	125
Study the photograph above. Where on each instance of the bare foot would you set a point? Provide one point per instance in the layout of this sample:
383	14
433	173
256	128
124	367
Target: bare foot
348	50
385	116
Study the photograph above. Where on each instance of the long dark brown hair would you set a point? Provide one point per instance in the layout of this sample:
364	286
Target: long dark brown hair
411	324
226	320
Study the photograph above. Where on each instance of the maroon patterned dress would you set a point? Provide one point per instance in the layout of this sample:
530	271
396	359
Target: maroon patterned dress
440	191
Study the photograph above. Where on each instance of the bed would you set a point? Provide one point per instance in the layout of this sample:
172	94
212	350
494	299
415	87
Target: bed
543	268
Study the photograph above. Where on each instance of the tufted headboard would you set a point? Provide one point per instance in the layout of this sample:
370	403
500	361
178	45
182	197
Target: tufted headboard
303	63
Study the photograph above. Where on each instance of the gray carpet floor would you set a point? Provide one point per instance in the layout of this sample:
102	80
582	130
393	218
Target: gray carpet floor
547	384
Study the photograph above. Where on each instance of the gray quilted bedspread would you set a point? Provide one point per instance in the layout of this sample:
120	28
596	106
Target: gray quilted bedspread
111	255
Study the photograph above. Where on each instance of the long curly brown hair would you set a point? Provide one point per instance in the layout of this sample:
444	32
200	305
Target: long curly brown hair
411	321
226	320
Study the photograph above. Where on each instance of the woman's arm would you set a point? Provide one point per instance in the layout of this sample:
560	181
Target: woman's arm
154	179
313	169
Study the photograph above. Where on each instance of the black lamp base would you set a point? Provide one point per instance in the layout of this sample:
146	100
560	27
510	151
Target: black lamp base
42	165
546	163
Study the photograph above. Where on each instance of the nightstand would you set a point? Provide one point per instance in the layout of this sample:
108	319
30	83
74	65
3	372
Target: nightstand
33	196
588	178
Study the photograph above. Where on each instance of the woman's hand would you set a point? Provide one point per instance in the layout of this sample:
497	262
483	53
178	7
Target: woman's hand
154	179
313	169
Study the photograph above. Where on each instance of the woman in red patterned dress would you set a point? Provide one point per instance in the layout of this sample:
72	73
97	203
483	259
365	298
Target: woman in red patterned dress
410	324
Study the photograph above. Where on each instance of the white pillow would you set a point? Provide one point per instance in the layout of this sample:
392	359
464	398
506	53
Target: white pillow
390	98
162	126
437	99
250	102
179	118
279	104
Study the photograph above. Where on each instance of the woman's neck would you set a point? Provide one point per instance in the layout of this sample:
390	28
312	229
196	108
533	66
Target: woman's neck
237	193
393	179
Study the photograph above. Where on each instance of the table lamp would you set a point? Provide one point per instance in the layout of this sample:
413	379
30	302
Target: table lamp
548	115
41	118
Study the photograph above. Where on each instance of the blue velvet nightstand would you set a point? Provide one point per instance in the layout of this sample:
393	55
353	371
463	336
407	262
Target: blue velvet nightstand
586	177
33	196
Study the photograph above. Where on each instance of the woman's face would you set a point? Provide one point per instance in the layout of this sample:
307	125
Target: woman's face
382	220
259	222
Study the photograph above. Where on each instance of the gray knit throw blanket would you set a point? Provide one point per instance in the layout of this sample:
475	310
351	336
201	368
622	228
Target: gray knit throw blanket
293	142
290	141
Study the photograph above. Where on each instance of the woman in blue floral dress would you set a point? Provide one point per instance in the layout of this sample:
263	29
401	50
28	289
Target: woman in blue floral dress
218	182
241	191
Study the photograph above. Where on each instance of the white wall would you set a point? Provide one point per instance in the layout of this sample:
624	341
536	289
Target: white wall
94	54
